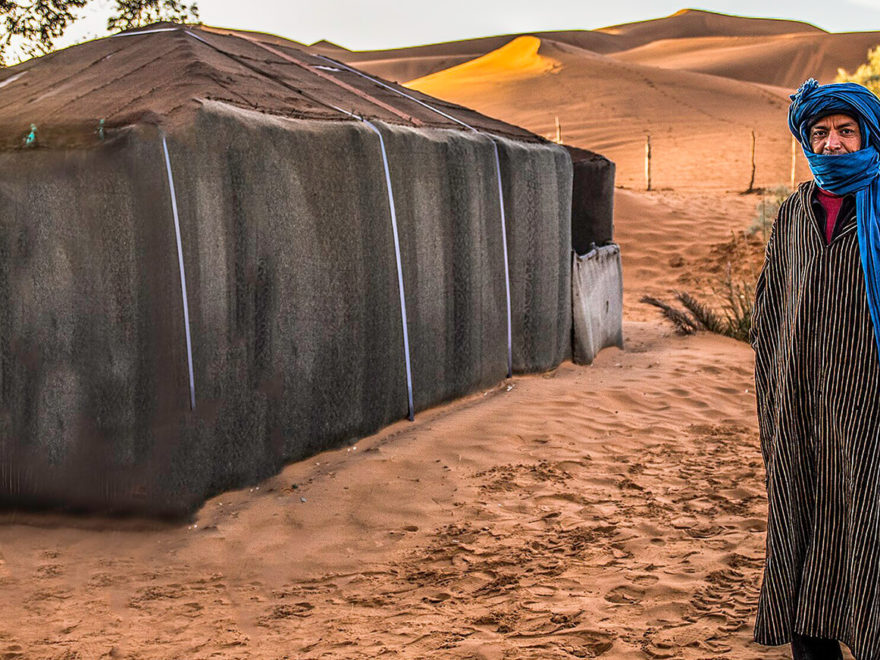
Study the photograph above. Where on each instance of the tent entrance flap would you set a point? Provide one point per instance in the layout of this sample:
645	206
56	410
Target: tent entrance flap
597	302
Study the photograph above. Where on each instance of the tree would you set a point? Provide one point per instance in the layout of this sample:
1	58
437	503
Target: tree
135	13
33	27
30	28
867	74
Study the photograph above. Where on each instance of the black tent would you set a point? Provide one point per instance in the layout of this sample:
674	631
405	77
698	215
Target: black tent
219	254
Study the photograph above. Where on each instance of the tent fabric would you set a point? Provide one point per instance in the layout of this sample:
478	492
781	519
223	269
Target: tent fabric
165	77
597	302
592	204
292	288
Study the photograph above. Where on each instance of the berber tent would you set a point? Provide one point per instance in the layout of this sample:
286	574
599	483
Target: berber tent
220	253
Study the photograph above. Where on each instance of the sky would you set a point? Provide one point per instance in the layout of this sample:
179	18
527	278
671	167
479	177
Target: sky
376	24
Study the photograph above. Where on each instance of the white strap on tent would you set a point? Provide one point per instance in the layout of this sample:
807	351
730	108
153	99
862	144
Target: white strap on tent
401	93
409	387
500	190
134	34
506	266
189	358
248	39
407	359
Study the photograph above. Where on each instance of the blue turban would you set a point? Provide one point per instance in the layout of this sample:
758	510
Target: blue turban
856	172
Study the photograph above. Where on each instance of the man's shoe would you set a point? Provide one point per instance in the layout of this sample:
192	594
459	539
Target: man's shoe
815	648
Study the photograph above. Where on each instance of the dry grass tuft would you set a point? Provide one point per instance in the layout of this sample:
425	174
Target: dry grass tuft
684	324
735	298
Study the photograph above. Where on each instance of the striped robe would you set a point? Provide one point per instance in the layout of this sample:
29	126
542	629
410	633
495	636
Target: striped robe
818	390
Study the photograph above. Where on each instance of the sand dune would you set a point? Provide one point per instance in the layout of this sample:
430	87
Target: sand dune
697	82
784	60
403	64
697	23
700	125
518	60
328	47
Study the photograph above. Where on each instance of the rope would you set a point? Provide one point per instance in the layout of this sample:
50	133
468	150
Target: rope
500	190
397	91
393	211
339	83
134	34
189	358
409	387
506	264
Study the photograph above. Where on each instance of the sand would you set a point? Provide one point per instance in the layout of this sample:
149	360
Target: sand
403	64
615	511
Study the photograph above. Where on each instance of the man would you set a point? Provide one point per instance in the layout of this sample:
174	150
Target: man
815	334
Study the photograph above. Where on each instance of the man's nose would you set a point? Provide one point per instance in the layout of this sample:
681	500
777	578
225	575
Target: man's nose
833	143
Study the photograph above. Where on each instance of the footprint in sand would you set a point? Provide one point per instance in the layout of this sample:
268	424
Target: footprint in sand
437	597
278	613
625	594
50	571
668	643
582	643
704	531
753	524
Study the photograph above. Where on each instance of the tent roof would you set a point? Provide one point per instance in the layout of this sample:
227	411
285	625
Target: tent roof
163	73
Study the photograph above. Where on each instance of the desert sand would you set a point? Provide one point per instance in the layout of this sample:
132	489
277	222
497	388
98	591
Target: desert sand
403	64
613	511
609	511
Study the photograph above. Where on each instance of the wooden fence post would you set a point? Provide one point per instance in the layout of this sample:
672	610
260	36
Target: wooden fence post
647	162
752	180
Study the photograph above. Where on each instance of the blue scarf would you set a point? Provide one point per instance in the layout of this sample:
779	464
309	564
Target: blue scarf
855	172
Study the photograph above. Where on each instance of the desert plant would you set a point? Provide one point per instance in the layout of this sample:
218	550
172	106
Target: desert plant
736	302
701	312
766	212
868	74
735	298
684	324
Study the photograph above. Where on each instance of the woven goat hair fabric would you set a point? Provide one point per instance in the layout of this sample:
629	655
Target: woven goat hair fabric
818	392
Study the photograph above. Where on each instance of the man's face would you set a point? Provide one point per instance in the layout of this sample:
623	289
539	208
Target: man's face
835	135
